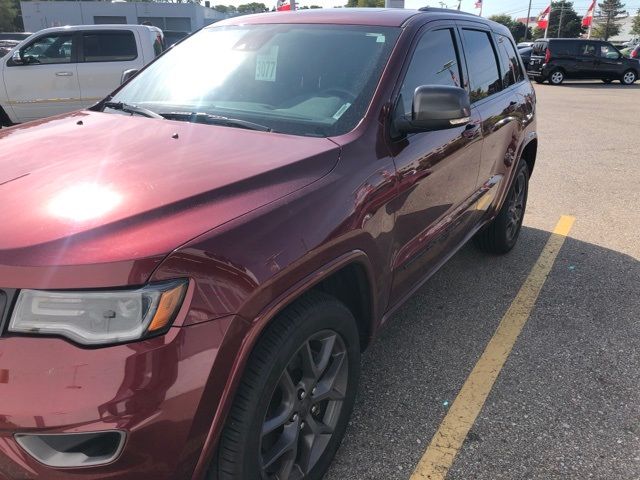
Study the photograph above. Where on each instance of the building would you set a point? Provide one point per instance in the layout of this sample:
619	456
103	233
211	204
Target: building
185	17
523	20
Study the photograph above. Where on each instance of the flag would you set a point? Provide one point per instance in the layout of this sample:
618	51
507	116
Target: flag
479	4
543	18
283	6
588	18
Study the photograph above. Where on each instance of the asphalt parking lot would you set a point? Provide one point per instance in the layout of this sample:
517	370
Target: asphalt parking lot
566	404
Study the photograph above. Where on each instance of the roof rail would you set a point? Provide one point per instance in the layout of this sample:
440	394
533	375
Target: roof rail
444	10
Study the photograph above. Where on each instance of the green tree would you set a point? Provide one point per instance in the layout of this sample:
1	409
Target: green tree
252	7
365	3
221	8
571	23
635	25
517	29
8	14
607	23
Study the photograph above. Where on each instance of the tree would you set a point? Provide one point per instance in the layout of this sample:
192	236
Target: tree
365	3
606	24
517	29
571	22
252	7
635	25
8	14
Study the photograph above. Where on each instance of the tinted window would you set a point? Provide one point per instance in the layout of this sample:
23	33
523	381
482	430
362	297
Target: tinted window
434	62
539	48
511	63
566	48
49	49
109	46
588	49
484	75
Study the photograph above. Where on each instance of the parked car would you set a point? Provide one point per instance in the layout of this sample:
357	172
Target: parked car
190	269
6	46
559	59
525	45
525	54
58	70
635	53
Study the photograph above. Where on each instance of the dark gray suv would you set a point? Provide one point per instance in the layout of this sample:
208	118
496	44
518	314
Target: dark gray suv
558	59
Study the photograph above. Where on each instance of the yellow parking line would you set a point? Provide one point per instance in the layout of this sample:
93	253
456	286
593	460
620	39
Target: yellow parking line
446	443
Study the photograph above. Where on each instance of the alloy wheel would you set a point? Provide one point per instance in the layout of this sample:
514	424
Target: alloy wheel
557	77
516	206
304	408
629	77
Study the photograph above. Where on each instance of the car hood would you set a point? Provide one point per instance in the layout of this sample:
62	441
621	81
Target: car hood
91	188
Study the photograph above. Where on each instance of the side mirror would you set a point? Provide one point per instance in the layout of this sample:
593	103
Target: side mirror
17	57
436	107
127	74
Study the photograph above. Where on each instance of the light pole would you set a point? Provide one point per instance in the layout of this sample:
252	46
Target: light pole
526	29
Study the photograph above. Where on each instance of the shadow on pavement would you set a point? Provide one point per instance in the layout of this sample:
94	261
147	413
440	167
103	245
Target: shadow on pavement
564	370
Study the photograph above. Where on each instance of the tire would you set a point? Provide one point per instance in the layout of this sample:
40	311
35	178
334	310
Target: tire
556	77
501	235
607	80
4	119
274	387
629	77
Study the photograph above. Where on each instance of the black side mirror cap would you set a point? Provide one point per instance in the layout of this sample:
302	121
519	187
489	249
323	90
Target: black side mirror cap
436	107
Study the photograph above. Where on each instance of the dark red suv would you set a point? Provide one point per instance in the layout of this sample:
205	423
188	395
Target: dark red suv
190	269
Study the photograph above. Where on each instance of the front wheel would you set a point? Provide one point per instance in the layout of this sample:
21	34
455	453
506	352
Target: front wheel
501	235
629	77
293	404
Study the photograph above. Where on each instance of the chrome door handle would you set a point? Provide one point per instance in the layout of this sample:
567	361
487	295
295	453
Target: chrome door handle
64	74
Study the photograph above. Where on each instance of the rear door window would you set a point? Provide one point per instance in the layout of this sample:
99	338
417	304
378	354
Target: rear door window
434	62
482	64
117	46
514	65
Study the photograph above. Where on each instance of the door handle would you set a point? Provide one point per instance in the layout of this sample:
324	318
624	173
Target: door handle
64	74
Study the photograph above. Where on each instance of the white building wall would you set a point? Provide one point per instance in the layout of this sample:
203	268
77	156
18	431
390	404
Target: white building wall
38	15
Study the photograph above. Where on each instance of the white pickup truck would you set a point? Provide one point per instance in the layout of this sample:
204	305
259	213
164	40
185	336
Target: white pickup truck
61	69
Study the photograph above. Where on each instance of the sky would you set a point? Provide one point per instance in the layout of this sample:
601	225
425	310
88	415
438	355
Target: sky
515	8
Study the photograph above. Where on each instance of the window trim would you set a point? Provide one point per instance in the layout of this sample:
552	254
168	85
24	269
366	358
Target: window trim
80	49
424	30
72	60
479	27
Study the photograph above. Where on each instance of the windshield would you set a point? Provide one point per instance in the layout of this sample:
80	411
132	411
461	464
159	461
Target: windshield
314	80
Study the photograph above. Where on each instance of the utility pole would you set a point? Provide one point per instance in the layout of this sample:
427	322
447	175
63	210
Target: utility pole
526	28
560	24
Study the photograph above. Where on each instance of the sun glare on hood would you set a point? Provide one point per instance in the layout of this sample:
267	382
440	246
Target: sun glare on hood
84	202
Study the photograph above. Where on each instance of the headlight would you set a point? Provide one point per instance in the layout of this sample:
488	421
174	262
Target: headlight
98	317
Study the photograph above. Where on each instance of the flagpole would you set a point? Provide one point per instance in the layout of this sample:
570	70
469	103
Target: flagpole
589	31
481	5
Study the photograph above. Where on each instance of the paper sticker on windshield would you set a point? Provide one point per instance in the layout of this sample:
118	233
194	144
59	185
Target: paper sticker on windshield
380	38
267	64
341	111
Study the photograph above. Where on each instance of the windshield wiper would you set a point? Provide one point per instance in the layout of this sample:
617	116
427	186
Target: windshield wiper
203	117
132	109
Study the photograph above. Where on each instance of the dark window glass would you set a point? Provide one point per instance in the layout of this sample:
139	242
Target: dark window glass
484	75
109	46
566	48
539	48
511	63
587	49
435	62
49	49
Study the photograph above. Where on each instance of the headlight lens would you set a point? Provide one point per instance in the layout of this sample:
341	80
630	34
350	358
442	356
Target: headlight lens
98	317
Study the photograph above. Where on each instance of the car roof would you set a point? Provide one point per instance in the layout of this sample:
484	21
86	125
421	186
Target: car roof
118	26
382	17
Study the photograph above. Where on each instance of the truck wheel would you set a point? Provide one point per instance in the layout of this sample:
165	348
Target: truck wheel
501	235
556	77
293	404
629	77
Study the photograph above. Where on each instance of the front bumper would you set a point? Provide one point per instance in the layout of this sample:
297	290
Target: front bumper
162	393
